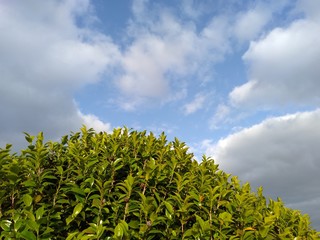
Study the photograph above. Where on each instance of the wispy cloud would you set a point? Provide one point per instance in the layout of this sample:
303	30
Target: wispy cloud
164	51
220	116
196	104
251	23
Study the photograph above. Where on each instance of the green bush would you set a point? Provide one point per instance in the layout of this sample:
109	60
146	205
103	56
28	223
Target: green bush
131	185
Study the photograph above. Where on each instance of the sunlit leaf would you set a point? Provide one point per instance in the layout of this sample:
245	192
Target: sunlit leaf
77	209
5	225
27	199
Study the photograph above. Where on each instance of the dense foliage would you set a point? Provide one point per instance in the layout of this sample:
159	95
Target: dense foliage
131	185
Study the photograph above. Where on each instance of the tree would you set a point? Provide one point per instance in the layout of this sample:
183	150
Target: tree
131	185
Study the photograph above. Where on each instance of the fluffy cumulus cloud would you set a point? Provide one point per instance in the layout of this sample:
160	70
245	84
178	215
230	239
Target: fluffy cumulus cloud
164	50
45	56
283	65
92	121
281	154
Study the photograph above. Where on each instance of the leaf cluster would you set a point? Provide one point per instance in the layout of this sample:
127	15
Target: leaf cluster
131	185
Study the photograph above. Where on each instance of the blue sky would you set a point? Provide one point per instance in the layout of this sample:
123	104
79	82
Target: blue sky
235	80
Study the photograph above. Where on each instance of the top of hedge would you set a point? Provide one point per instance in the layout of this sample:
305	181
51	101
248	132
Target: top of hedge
131	185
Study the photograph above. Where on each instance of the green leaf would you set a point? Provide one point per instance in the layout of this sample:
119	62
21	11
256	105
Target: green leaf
118	164
48	230
124	226
263	231
225	217
8	146
118	231
100	231
5	225
96	203
90	230
30	183
60	170
71	235
64	139
39	213
188	233
33	225
269	220
77	209
18	224
134	224
28	235
204	225
30	215
28	137
169	207
78	191
69	219
27	199
168	215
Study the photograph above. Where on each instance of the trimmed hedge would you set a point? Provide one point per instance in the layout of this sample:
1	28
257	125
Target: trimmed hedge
131	185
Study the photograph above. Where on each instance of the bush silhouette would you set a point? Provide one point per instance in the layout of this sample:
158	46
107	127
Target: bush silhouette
131	185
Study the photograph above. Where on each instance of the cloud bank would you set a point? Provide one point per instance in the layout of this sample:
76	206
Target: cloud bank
45	57
281	154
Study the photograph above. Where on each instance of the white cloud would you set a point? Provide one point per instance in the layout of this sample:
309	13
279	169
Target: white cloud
45	57
251	23
220	116
144	64
195	105
164	51
92	121
240	93
283	68
281	154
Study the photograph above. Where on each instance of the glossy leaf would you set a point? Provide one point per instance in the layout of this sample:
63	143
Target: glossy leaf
27	199
118	231
39	213
28	235
77	209
5	225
